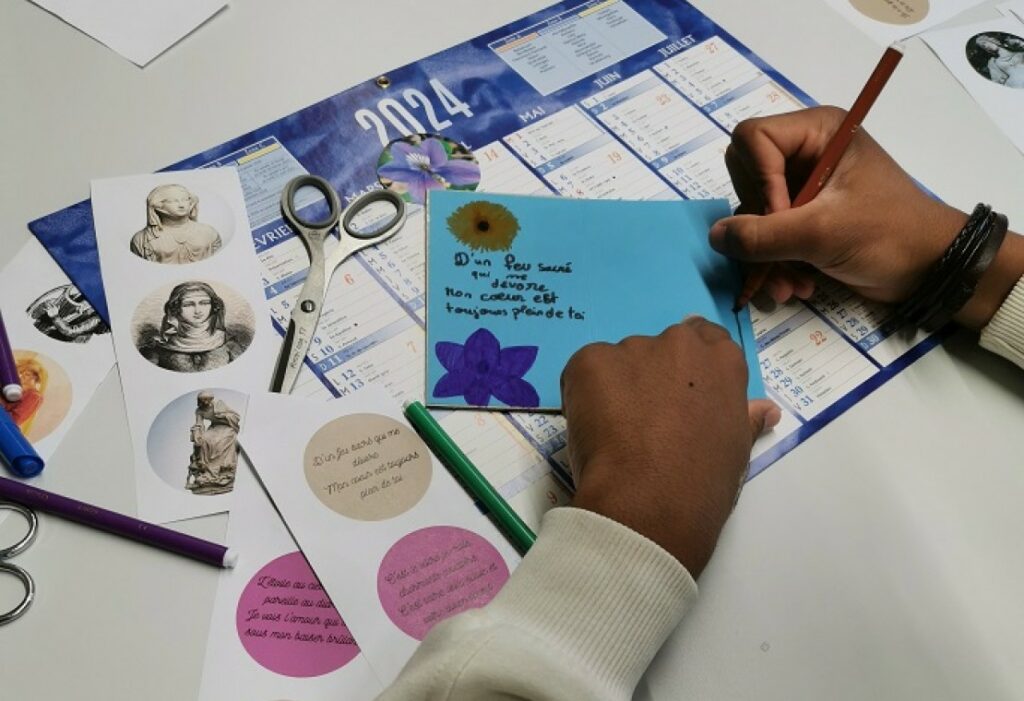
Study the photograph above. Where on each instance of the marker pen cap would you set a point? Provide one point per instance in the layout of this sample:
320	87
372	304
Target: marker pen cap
27	465
15	449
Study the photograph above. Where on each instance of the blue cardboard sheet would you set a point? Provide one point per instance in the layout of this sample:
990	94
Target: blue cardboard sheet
517	284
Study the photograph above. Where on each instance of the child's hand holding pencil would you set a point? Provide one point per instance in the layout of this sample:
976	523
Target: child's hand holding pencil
846	231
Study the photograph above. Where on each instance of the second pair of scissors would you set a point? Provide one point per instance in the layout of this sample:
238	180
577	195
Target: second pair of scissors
12	569
306	312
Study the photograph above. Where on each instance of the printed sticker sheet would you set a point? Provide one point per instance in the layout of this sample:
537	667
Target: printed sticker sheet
397	543
191	337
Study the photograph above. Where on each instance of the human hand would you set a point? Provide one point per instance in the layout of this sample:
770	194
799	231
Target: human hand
870	228
660	432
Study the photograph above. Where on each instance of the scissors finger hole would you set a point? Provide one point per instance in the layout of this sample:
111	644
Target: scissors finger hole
311	202
28	586
32	522
374	215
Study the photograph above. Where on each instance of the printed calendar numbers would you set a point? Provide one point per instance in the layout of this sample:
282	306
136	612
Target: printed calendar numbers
579	159
451	103
808	365
392	119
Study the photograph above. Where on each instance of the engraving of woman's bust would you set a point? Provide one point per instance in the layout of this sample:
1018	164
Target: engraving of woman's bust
193	336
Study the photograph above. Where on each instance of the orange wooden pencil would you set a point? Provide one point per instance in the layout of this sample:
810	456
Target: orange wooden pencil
831	156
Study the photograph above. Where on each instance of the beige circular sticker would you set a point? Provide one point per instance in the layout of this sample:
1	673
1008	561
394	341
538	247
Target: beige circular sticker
367	466
893	11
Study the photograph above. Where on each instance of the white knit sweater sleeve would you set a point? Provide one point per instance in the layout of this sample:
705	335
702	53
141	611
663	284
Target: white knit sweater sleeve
1004	333
581	618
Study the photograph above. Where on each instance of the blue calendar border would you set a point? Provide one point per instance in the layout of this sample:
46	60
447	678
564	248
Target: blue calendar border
811	426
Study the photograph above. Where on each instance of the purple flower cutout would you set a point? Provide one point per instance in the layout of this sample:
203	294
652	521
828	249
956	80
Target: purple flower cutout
482	368
427	167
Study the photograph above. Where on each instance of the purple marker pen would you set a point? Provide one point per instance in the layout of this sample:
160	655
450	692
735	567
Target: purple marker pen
118	524
10	383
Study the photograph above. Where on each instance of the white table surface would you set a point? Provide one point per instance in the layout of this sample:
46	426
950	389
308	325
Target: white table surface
881	559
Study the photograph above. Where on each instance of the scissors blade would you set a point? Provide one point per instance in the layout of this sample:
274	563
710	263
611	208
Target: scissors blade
301	326
296	345
285	372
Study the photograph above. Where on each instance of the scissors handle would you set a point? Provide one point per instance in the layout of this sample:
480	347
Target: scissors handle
364	201
324	188
30	592
16	549
30	535
353	240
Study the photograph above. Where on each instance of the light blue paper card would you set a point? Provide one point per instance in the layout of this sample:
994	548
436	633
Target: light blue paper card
518	284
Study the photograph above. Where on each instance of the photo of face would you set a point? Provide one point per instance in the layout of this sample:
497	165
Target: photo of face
196	308
194	326
998	57
173	200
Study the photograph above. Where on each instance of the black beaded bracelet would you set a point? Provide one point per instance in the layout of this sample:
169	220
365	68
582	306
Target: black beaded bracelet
950	282
925	300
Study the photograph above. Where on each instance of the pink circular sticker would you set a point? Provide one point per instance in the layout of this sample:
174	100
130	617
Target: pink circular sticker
435	573
288	624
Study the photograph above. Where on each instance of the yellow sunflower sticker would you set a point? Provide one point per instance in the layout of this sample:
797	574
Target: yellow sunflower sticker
484	225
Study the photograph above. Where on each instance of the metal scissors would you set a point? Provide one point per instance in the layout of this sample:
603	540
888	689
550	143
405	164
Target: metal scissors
14	550
306	312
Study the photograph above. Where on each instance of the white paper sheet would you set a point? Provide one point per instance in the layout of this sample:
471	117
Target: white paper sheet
396	542
1015	9
988	60
887	21
190	333
60	344
139	31
273	633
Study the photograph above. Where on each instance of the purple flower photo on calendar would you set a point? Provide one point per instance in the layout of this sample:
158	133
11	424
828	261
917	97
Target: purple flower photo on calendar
480	368
415	164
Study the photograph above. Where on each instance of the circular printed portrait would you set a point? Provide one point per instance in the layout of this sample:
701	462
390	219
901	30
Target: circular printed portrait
193	442
889	12
415	164
193	326
45	395
64	314
183	224
997	56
